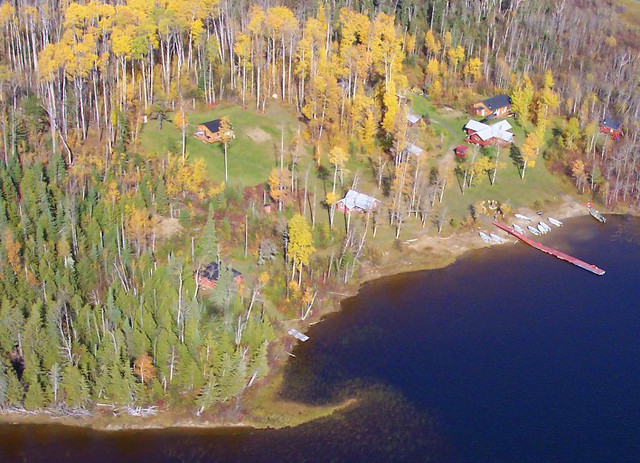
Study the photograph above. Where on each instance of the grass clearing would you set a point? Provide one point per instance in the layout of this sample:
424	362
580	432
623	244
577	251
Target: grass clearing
251	155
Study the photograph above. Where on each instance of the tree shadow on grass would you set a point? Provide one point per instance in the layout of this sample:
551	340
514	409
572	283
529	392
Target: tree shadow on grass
516	156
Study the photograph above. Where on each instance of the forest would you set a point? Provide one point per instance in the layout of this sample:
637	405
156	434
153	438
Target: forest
99	304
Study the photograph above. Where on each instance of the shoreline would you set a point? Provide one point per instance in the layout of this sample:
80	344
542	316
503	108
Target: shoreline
423	252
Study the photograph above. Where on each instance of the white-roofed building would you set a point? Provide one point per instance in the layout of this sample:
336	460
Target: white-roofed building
483	134
357	201
413	149
413	119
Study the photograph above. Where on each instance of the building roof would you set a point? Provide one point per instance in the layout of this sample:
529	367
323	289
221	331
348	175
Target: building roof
212	272
462	148
414	149
498	130
213	126
496	102
413	118
475	126
610	123
355	200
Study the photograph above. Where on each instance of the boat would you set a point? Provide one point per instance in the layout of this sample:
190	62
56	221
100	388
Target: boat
496	238
545	226
522	217
596	215
518	228
485	237
555	222
542	229
535	231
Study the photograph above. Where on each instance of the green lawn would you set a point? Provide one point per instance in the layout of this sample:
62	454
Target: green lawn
249	161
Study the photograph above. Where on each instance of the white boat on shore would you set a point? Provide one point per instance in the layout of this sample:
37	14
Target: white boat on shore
522	217
533	230
518	228
542	229
544	226
496	238
555	222
485	237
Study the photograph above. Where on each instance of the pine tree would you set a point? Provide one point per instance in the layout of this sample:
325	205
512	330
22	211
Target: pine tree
15	390
210	394
4	384
74	387
35	398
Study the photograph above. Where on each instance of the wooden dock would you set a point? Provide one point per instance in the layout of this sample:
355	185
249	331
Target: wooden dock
554	252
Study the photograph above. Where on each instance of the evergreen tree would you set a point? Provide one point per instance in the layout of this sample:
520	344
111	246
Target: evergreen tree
210	394
4	384
74	387
15	390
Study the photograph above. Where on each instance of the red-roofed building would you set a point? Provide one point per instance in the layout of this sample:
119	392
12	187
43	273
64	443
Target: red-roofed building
461	151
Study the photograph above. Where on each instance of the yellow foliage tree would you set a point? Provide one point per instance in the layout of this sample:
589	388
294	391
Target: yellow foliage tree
529	152
473	69
432	45
433	68
300	244
280	186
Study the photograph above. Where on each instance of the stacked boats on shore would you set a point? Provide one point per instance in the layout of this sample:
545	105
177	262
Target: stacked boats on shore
538	229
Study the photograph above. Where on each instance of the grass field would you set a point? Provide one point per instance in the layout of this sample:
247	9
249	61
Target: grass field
251	155
256	150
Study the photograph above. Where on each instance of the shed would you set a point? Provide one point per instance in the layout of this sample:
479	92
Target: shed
413	119
358	202
461	151
208	276
210	131
413	149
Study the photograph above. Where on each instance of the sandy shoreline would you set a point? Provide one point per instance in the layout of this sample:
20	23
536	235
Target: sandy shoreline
426	252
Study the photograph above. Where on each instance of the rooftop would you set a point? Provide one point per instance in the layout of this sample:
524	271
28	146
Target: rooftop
498	101
612	124
212	272
355	200
498	130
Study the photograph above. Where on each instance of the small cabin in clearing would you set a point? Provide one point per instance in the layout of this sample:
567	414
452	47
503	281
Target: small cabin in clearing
497	106
413	149
209	132
208	276
611	128
354	201
413	119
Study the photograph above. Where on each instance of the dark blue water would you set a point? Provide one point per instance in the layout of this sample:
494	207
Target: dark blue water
508	355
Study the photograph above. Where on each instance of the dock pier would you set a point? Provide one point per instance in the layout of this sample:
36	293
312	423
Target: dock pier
554	252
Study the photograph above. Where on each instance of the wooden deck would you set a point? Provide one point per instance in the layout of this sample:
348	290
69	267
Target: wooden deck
554	252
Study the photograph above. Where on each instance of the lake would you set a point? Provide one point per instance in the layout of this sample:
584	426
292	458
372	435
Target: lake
509	355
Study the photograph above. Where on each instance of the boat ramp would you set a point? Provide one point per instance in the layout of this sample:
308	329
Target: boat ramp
554	252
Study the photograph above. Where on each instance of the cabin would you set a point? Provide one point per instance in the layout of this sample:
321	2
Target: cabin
412	149
413	119
208	276
482	134
354	201
497	106
461	151
209	132
611	128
